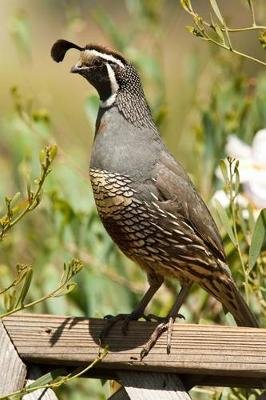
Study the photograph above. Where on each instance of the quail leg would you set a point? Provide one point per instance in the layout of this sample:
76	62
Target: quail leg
155	282
167	322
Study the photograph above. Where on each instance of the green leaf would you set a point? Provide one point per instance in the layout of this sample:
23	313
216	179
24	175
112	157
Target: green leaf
225	221
67	289
262	39
258	237
47	378
219	32
217	11
190	29
10	300
25	288
186	5
249	4
224	171
221	19
15	198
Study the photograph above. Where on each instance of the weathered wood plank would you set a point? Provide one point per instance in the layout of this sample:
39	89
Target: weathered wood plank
153	386
196	349
12	369
121	394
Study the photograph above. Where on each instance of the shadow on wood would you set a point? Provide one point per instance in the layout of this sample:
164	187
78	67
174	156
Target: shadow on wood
202	354
114	341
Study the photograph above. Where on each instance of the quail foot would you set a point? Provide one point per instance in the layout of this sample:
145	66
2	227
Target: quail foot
144	197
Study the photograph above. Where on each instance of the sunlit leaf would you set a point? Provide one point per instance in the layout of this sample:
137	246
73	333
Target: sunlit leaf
10	300
47	378
225	221
223	168
217	11
25	288
67	289
258	238
262	39
186	4
219	33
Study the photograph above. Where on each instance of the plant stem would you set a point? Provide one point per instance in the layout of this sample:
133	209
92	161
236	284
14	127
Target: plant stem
33	303
224	46
253	27
233	212
62	381
251	5
224	28
32	203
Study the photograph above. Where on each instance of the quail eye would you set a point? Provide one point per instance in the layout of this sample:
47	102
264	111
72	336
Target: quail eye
97	62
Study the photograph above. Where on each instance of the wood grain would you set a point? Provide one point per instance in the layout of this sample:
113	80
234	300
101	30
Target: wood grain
121	394
12	369
153	386
215	351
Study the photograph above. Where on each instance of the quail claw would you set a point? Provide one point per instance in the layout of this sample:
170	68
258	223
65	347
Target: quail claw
111	320
166	323
156	318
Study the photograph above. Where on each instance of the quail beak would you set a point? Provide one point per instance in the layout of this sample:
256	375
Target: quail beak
78	68
75	69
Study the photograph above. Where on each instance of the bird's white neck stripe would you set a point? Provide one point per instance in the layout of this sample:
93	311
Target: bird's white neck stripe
112	78
114	88
107	57
108	102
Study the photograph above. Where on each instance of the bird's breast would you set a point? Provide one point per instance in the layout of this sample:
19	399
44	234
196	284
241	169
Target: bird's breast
112	192
150	235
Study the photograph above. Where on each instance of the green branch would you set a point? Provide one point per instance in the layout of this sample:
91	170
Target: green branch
219	28
54	379
65	286
13	214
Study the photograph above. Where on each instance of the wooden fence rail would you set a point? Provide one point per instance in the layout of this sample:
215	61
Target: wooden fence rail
200	354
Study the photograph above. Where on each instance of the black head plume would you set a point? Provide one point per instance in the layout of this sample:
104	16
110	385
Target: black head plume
60	47
115	79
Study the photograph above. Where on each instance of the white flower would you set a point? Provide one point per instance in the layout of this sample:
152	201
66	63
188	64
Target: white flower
223	199
252	166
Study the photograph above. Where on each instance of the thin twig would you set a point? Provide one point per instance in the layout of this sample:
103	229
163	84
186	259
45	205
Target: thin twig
33	198
54	385
203	34
65	279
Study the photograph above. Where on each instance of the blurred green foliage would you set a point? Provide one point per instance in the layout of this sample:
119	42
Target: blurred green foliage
214	100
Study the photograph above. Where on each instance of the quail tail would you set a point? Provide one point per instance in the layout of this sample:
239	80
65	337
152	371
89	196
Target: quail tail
225	290
240	310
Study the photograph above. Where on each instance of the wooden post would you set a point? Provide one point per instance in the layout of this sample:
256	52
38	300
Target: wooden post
121	394
12	369
150	386
153	386
200	355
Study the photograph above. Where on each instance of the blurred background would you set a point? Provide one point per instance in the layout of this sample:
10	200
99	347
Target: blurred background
200	96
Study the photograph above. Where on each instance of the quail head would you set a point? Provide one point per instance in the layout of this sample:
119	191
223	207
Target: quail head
144	197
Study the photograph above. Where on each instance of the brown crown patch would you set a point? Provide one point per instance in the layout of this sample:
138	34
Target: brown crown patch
106	50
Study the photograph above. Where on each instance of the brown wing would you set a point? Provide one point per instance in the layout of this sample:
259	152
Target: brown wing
175	187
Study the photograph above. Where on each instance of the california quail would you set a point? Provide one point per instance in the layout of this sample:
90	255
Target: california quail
145	199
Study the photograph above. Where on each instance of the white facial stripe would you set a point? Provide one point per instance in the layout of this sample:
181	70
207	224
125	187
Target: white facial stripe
114	88
108	102
112	78
107	57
